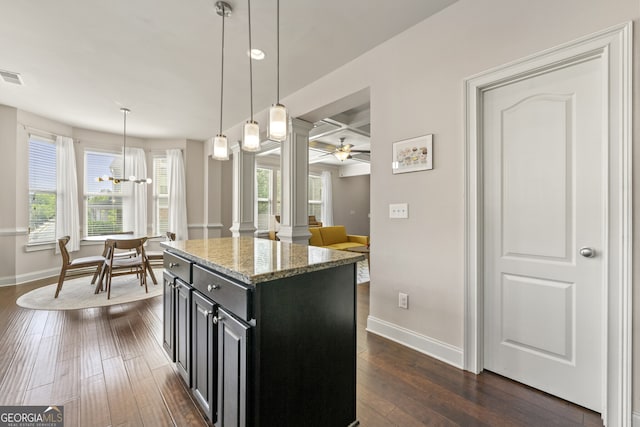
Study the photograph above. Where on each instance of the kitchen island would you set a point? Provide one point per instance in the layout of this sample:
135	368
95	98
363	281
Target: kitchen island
263	332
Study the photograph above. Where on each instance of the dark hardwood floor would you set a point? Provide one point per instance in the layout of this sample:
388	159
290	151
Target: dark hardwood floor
107	367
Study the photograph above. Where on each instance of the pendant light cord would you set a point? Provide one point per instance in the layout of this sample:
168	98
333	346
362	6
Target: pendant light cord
250	62
124	146
278	51
222	68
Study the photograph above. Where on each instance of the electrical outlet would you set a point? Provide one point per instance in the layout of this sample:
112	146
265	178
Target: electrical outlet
403	300
399	210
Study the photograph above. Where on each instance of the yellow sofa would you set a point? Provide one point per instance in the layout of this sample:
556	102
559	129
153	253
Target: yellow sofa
335	237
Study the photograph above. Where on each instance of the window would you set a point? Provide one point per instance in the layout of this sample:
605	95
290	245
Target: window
42	190
264	197
315	196
266	186
160	195
102	200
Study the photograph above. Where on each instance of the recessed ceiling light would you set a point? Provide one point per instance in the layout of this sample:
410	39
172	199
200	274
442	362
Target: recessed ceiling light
256	54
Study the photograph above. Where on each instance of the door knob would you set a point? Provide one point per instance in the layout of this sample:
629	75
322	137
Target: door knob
587	252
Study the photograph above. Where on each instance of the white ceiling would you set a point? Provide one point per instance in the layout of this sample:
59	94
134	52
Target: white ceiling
81	60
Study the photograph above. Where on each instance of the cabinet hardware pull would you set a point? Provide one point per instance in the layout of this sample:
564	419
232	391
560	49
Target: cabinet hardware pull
212	287
207	313
173	264
217	319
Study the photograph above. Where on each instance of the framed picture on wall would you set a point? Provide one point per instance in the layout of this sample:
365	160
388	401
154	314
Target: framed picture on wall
412	155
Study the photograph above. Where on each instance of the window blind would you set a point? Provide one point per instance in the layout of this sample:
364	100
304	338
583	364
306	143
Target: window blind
42	190
160	195
103	200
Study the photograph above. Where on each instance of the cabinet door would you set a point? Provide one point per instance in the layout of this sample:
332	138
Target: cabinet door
183	330
168	316
233	347
203	353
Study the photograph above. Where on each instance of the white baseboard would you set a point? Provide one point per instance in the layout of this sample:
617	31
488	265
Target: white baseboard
635	419
29	277
429	346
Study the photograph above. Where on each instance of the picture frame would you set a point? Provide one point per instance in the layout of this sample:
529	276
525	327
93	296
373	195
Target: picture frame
413	155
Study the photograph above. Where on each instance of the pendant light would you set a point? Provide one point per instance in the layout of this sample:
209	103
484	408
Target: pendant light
220	143
131	178
278	117
251	132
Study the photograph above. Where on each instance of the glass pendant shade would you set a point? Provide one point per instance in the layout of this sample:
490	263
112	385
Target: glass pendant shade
220	147
277	123
342	155
251	136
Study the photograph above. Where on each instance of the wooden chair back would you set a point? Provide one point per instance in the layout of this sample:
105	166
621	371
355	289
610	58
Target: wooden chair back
62	243
118	266
68	264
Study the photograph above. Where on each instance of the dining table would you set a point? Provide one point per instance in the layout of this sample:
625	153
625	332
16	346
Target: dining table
105	252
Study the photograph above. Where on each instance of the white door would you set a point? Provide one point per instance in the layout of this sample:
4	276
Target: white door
543	168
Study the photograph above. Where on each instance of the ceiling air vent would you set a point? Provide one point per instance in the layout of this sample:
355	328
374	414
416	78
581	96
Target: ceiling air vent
11	77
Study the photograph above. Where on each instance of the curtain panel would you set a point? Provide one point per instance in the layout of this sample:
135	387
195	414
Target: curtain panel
327	198
67	211
134	204
177	194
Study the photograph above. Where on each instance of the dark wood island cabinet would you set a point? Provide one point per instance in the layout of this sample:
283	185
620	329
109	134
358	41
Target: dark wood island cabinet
263	332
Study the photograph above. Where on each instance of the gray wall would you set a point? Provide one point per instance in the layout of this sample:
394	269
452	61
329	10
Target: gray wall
416	86
351	203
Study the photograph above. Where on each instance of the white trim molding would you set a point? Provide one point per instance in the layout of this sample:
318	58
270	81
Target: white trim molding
18	231
422	343
614	47
29	277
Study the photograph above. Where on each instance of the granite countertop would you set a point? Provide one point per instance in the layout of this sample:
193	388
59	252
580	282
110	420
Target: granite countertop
253	260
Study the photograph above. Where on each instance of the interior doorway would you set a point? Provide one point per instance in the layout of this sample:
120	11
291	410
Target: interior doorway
610	49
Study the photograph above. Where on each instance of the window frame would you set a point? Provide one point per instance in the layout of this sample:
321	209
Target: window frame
315	202
276	195
86	194
51	141
158	196
270	199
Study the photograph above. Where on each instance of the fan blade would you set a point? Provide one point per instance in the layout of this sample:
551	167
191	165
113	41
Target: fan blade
360	151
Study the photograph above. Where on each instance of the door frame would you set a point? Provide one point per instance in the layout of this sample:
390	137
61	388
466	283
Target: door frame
614	47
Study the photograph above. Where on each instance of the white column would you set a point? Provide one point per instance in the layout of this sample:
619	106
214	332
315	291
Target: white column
244	175
294	169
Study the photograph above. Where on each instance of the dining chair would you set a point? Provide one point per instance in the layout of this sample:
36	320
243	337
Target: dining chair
120	266
155	257
69	264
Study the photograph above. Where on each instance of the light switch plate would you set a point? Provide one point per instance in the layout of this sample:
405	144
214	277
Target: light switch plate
399	210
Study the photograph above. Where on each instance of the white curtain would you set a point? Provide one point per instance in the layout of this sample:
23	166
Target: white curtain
177	194
134	204
67	214
327	198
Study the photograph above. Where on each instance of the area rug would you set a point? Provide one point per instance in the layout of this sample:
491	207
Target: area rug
78	293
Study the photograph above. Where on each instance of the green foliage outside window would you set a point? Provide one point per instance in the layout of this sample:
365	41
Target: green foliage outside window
104	215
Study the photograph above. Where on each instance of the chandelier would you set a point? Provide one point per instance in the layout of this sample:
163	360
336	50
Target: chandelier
132	178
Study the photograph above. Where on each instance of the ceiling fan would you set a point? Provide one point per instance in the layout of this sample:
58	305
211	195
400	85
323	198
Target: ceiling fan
343	152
